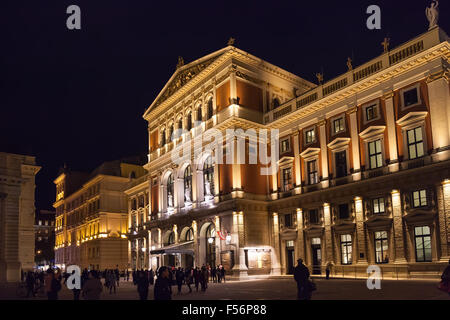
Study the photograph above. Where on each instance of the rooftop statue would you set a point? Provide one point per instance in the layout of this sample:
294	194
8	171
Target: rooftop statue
432	14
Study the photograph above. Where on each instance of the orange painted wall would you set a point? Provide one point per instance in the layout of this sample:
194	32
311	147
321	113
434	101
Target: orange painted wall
225	178
154	141
223	96
154	199
249	96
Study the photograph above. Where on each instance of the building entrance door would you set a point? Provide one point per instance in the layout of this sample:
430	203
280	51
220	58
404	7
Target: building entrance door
290	258
317	258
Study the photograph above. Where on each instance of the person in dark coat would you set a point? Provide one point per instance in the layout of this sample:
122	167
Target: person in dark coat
142	285
445	279
179	276
188	278
30	281
163	289
151	277
301	276
222	274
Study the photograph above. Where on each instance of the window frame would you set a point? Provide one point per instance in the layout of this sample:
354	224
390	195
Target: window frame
409	88
424	249
383	240
333	125
376	154
420	199
345	252
313	130
415	143
315	172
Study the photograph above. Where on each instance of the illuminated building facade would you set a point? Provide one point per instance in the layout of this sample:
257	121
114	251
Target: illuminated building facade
91	216
363	168
17	188
44	232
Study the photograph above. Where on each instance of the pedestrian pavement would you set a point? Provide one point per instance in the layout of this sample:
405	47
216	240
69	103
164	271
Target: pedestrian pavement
277	289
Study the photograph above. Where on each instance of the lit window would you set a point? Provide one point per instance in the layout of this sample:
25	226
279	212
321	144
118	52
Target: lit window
422	237
378	205
346	248
189	235
313	177
285	146
371	112
338	125
415	143
375	156
419	198
381	247
287	179
310	136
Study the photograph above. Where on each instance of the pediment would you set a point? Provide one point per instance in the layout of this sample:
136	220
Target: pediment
419	215
338	143
372	131
412	118
310	152
285	160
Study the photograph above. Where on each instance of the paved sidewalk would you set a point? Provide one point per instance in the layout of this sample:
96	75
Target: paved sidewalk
280	289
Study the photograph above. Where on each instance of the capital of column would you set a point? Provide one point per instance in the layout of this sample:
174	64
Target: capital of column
321	123
388	95
352	110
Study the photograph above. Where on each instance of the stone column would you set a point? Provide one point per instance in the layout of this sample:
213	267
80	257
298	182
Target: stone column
328	249
323	153
355	143
149	248
218	241
276	266
239	269
216	190
391	131
233	89
360	232
196	253
439	99
444	220
300	236
298	173
399	250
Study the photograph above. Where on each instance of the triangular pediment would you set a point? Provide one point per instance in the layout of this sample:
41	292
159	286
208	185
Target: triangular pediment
412	118
372	131
338	143
310	152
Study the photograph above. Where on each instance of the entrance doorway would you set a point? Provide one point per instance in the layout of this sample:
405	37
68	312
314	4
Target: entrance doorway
290	257
316	255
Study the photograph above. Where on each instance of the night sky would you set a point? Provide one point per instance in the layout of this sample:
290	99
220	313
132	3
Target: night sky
78	97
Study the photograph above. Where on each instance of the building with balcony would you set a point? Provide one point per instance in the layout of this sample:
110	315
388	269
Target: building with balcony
91	216
17	189
362	176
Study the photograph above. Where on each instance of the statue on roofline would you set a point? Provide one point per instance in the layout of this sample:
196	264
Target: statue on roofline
432	14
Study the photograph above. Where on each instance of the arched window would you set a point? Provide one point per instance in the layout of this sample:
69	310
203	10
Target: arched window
211	245
189	122
180	127
208	177
199	113
170	191
188	184
163	138
171	239
171	137
189	235
210	109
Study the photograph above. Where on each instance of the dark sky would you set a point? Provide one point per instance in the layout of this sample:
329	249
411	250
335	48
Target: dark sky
78	97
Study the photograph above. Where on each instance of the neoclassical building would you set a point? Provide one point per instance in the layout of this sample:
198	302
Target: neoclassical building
17	190
91	216
362	175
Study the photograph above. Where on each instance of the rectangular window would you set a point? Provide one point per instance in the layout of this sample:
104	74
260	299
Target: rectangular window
415	143
288	221
344	212
287	179
340	159
346	248
314	216
285	147
371	112
410	97
419	199
312	172
381	247
338	125
375	156
378	205
422	237
310	136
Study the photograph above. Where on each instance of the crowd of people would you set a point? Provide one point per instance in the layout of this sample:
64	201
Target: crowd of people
91	285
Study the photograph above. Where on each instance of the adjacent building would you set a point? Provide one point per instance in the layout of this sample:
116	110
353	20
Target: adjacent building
44	231
92	216
362	175
17	190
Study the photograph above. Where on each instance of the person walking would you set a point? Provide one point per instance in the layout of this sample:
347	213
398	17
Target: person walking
142	285
445	279
151	276
204	278
214	274
30	281
163	289
111	281
222	274
179	277
196	274
92	288
301	276
327	271
117	274
188	278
